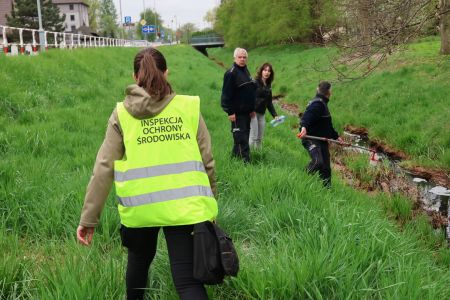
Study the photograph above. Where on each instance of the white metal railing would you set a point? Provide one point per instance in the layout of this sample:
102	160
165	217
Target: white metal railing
63	40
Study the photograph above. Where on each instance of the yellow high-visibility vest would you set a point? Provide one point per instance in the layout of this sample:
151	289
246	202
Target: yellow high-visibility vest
161	180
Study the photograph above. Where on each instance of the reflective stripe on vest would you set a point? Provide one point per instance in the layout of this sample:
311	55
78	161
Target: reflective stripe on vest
159	170
162	180
167	195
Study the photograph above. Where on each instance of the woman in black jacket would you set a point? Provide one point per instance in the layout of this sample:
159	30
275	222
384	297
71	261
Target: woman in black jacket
264	78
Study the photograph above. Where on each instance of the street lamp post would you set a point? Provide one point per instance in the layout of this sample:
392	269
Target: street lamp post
156	24
41	29
143	4
122	29
171	28
176	29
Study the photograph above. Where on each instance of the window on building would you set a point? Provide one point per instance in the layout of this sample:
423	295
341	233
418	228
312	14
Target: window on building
73	28
72	17
71	6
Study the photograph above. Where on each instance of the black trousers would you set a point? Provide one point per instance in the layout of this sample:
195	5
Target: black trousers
241	133
141	244
320	159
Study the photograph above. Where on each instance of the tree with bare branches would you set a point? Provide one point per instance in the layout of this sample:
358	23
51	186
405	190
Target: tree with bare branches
444	25
370	30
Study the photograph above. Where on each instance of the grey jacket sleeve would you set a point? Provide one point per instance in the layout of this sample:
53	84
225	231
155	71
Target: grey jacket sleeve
102	177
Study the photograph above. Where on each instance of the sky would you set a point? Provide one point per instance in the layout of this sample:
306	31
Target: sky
180	11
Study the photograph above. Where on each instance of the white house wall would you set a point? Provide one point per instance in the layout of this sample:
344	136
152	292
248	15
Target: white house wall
80	12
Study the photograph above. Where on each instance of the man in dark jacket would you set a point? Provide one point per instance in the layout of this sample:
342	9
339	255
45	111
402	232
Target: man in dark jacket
238	101
316	121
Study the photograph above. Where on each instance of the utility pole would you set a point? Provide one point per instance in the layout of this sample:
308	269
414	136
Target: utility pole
176	29
143	4
41	29
156	24
122	29
171	28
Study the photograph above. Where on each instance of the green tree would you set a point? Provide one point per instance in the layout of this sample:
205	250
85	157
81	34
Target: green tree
149	16
94	14
254	23
108	17
186	32
25	15
210	16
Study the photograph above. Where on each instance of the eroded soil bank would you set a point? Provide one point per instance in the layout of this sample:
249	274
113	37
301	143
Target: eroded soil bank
388	178
439	176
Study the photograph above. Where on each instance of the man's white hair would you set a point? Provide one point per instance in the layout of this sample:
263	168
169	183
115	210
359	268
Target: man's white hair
239	50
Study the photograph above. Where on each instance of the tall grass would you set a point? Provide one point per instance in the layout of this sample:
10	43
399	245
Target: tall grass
295	239
405	102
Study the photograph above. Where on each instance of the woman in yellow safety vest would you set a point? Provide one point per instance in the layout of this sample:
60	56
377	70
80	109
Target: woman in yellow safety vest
157	150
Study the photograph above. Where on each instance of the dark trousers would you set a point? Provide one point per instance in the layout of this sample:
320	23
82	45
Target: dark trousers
241	133
320	159
141	244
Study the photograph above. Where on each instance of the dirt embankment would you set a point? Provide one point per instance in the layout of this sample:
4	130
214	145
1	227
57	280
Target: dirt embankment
218	62
385	179
290	108
439	176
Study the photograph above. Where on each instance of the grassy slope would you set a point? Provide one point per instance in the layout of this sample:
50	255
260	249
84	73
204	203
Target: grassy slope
295	239
405	103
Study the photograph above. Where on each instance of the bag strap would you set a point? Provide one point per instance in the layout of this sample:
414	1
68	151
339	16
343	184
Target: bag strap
228	255
222	237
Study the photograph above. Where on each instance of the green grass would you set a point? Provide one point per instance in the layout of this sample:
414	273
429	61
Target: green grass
405	102
296	240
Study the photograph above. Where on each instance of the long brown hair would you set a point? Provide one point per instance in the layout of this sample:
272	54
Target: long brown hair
259	74
149	68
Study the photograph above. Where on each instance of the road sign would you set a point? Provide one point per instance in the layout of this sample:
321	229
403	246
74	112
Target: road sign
127	20
162	33
143	22
148	29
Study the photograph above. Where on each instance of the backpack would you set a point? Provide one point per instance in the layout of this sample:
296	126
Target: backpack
214	254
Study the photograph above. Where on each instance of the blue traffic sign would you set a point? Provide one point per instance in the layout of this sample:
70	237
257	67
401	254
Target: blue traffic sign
148	29
127	20
162	33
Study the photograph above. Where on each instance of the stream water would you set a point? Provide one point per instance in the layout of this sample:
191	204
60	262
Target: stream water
433	197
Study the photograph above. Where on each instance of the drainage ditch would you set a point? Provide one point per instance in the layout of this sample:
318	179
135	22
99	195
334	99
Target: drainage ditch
428	189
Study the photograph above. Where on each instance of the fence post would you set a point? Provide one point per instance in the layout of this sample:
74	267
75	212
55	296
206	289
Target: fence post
64	40
5	41
34	41
45	41
55	35
22	47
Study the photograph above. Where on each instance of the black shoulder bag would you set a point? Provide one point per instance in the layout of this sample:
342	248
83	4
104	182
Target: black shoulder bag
214	254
